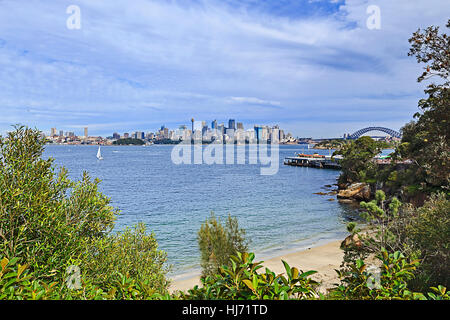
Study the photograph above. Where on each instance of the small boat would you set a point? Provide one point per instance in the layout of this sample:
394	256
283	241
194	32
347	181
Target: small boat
99	154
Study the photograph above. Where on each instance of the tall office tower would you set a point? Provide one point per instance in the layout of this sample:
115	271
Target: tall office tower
221	128
204	128
231	124
85	132
126	135
53	132
192	121
240	126
281	134
61	133
258	132
116	136
165	133
214	124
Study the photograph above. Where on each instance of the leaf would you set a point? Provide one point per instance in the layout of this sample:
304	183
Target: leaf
307	273
288	269
294	273
249	284
3	263
21	269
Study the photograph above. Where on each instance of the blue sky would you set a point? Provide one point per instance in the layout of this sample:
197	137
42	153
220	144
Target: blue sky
311	66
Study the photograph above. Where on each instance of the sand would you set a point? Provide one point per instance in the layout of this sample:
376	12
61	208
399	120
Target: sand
324	259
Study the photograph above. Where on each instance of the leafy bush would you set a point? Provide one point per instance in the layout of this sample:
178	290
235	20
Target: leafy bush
17	283
49	223
358	283
42	223
242	281
426	232
132	252
218	243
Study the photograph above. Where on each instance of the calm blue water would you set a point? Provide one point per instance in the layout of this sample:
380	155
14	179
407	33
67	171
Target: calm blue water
279	212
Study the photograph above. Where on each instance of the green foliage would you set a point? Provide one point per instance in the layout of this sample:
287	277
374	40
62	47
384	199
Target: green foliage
331	144
426	232
45	219
241	281
360	284
357	164
17	283
418	233
49	223
219	242
132	252
129	141
426	140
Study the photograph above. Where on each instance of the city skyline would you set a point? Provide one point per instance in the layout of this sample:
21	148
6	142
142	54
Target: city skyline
311	66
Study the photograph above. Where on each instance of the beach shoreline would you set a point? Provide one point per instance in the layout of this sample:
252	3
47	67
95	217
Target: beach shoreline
323	258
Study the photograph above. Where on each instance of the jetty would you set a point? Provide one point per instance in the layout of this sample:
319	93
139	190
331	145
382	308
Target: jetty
314	160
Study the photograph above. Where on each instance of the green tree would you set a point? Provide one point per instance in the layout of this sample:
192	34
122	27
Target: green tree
426	140
219	242
357	164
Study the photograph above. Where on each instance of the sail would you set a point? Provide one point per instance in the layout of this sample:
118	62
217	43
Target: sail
99	154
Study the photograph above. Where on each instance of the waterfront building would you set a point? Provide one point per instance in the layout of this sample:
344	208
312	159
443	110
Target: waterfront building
53	132
116	136
85	132
214	124
126	135
240	126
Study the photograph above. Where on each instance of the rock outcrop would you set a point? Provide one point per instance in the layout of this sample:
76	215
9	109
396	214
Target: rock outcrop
356	191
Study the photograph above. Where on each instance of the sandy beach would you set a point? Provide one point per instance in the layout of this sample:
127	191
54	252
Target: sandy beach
324	259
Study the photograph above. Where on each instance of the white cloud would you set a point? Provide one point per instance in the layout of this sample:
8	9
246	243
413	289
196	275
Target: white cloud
167	60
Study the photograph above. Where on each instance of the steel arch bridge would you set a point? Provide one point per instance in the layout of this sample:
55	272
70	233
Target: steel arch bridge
390	132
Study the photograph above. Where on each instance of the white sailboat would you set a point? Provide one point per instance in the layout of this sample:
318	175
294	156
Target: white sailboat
99	154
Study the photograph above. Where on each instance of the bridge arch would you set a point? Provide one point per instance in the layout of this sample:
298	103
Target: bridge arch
390	132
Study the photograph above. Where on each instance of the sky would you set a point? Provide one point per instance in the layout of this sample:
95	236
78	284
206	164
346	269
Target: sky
314	67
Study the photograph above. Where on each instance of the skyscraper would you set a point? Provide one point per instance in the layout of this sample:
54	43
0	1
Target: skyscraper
240	126
214	124
86	132
232	124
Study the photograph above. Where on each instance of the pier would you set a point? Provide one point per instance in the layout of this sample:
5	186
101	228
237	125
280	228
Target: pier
314	161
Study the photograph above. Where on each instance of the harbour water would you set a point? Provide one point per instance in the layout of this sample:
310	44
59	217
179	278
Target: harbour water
280	212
